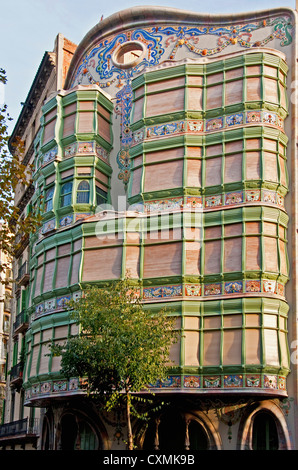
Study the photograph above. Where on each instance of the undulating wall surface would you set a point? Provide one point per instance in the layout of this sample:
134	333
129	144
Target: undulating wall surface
202	158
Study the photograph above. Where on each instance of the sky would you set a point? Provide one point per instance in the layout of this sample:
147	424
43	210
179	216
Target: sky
29	28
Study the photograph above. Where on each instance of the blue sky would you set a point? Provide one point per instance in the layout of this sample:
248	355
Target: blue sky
29	28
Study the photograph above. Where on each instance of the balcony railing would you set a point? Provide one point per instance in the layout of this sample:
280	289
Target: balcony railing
21	428
21	323
23	274
16	375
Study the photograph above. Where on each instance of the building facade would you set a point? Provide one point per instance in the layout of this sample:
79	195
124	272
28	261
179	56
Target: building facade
5	308
20	427
169	155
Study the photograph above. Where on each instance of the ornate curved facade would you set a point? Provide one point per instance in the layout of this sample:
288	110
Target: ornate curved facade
169	156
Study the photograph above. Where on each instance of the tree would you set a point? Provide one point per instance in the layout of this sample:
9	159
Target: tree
14	228
122	347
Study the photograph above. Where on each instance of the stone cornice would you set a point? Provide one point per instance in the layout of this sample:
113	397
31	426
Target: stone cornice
47	65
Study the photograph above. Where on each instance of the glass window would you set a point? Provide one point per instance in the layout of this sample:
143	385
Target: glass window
101	196
83	192
66	193
49	199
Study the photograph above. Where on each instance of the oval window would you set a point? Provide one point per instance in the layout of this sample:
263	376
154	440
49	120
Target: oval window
129	54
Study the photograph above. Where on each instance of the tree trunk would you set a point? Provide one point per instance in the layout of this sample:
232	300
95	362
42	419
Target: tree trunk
129	430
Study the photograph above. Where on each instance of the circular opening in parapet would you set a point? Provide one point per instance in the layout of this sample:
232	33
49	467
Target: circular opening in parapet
129	54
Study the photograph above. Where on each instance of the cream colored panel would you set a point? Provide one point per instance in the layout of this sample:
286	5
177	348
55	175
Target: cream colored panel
232	347
284	349
133	261
252	346
195	99
48	276
75	268
211	348
191	348
34	359
163	258
270	165
159	156
214	96
49	131
136	176
192	258
194	178
234	92
271	92
232	321
62	272
165	84
104	128
253	91
213	171
271	259
191	323
252	253
212	257
253	166
85	122
212	322
283	258
233	229
233	168
138	109
165	102
233	255
163	176
271	347
102	264
44	359
68	125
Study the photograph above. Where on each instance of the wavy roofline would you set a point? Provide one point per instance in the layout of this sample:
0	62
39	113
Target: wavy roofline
145	15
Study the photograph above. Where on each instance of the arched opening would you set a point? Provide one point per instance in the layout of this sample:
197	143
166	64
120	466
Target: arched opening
265	436
197	437
78	434
69	431
170	431
46	435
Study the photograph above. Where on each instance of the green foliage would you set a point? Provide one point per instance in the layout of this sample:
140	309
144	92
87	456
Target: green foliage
14	229
122	347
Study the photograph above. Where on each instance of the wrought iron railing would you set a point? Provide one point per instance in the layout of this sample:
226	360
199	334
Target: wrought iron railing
16	372
21	318
22	271
20	427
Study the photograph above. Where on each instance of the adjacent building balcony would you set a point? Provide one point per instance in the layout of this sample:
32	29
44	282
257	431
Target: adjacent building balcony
19	432
23	274
16	375
21	323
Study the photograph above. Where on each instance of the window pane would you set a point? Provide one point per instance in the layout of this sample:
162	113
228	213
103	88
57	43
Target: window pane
83	192
101	196
49	200
66	191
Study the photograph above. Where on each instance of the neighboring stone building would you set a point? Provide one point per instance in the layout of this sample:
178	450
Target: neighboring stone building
21	428
5	308
182	128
